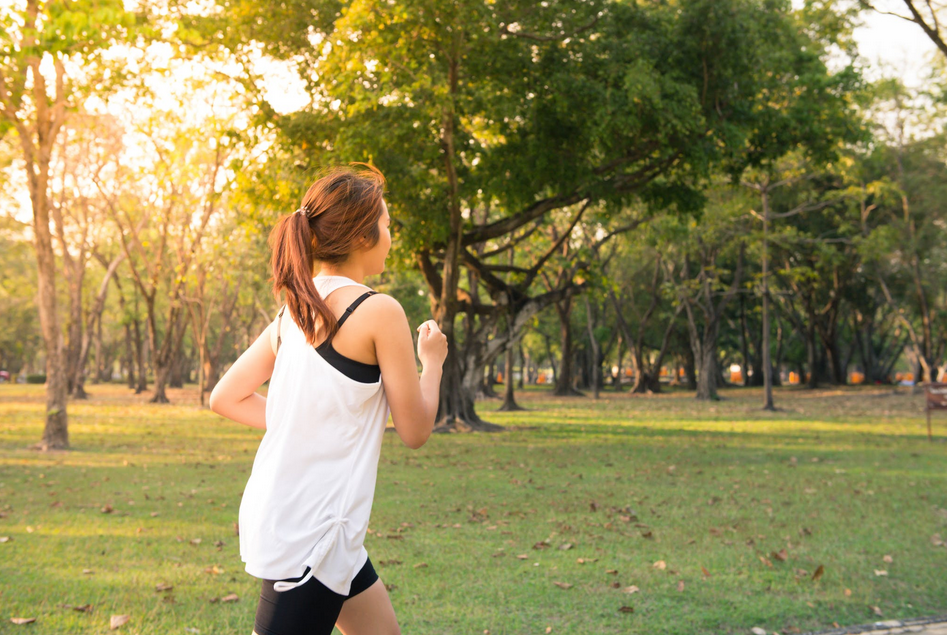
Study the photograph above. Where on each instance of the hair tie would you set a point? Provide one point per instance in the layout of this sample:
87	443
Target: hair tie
301	211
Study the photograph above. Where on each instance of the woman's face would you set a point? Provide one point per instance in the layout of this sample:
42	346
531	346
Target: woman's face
376	256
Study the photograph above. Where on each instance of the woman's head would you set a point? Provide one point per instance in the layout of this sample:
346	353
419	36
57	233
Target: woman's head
342	216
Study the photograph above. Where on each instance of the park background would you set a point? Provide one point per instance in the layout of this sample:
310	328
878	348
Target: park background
611	208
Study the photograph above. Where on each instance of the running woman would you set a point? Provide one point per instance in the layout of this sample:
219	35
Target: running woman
339	357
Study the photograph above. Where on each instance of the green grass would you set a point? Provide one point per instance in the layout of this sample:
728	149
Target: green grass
838	479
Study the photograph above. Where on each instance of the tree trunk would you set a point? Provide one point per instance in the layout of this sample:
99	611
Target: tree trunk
594	360
811	355
564	378
509	399
55	431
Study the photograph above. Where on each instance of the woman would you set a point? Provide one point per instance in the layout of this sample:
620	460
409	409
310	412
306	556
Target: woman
339	357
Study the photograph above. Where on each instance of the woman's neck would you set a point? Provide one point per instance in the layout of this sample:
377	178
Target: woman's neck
348	270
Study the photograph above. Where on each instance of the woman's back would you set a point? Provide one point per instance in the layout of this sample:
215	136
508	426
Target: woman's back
315	471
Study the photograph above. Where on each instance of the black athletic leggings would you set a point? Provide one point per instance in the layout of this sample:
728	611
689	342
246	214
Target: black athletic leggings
310	609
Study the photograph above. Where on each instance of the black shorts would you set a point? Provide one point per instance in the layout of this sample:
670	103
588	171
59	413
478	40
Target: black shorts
310	609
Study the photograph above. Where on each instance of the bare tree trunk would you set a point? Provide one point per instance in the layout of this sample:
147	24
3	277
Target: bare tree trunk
593	347
564	379
509	399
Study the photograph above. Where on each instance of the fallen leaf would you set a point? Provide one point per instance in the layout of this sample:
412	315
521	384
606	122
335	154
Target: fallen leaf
118	620
108	509
420	565
888	559
584	560
85	608
5	539
818	573
848	593
88	571
877	610
161	586
566	546
549	629
196	541
22	620
647	534
705	572
780	555
766	561
680	585
563	585
630	589
880	572
214	570
626	609
756	630
232	597
522	556
611	571
660	564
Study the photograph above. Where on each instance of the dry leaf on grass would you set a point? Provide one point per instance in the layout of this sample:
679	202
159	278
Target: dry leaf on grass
118	620
22	620
780	555
680	585
630	589
566	546
705	572
420	565
818	573
230	598
660	564
626	609
756	630
880	572
848	593
563	585
161	586
876	610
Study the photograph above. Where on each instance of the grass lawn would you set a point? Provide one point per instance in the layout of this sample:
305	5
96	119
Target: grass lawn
719	514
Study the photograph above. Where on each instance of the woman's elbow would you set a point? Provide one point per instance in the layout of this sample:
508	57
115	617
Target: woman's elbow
415	443
414	439
214	401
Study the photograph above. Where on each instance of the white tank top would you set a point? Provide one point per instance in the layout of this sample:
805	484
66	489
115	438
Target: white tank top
310	492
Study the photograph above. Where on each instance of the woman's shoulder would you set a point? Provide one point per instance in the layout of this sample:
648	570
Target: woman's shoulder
382	305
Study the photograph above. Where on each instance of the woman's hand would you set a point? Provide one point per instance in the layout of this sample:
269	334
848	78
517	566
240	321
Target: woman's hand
432	345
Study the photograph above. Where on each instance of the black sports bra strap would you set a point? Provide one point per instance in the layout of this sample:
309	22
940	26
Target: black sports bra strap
354	306
279	322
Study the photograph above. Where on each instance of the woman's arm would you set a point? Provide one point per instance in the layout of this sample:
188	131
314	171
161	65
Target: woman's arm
235	395
413	400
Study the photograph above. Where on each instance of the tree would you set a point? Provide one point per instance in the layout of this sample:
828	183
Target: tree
34	102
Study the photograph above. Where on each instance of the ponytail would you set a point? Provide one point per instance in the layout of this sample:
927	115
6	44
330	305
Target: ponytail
339	214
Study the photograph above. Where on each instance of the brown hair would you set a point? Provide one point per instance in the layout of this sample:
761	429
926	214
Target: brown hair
338	215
